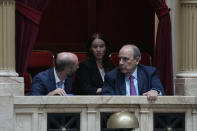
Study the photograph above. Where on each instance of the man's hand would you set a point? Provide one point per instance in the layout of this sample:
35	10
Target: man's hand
151	95
57	91
99	90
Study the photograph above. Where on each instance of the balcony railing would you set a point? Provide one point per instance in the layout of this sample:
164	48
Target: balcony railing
90	113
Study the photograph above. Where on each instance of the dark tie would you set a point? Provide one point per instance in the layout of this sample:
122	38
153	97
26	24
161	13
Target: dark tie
59	84
132	87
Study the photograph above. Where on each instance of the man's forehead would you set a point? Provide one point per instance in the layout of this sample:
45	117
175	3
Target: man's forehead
123	54
126	53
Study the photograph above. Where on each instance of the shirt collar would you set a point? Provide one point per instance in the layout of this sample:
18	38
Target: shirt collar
134	74
56	77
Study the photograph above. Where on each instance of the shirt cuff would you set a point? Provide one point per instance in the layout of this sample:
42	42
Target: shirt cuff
70	95
158	91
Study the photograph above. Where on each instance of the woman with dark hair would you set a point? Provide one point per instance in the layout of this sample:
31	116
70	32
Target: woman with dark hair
91	72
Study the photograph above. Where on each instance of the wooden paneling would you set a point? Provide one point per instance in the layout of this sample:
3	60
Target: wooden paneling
126	21
92	16
67	24
64	22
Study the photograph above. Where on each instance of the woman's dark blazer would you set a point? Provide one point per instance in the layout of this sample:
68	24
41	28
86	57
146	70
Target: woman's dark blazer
88	78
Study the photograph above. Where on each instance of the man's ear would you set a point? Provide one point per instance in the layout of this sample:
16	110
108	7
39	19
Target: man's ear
138	60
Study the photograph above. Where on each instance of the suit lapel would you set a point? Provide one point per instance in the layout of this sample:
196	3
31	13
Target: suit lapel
52	79
67	85
140	80
97	73
121	83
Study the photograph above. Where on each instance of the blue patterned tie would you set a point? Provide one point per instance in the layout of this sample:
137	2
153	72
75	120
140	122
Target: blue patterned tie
132	87
59	84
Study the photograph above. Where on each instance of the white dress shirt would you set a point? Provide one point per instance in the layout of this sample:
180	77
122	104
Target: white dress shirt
57	80
102	72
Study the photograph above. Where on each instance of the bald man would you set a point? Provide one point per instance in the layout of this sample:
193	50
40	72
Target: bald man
131	78
56	80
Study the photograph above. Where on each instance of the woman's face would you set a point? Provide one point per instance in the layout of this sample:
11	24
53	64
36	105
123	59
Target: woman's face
98	48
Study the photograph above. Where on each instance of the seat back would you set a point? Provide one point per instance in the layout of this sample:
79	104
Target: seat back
39	60
81	56
27	82
146	59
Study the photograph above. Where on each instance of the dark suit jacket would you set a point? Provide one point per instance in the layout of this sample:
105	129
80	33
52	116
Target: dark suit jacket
147	79
88	78
44	82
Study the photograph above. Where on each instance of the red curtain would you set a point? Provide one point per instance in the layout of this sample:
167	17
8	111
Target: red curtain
28	16
163	49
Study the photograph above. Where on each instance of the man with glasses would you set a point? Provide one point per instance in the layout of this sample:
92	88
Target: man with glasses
132	78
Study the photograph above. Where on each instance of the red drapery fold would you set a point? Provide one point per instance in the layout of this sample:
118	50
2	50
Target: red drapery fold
28	16
163	49
30	13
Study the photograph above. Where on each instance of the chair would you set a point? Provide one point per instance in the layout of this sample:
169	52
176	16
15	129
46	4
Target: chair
146	59
27	81
39	60
81	56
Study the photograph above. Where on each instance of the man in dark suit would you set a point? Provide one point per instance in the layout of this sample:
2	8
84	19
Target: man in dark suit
57	80
131	78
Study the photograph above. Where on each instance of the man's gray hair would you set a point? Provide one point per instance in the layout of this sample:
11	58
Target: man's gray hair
136	52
